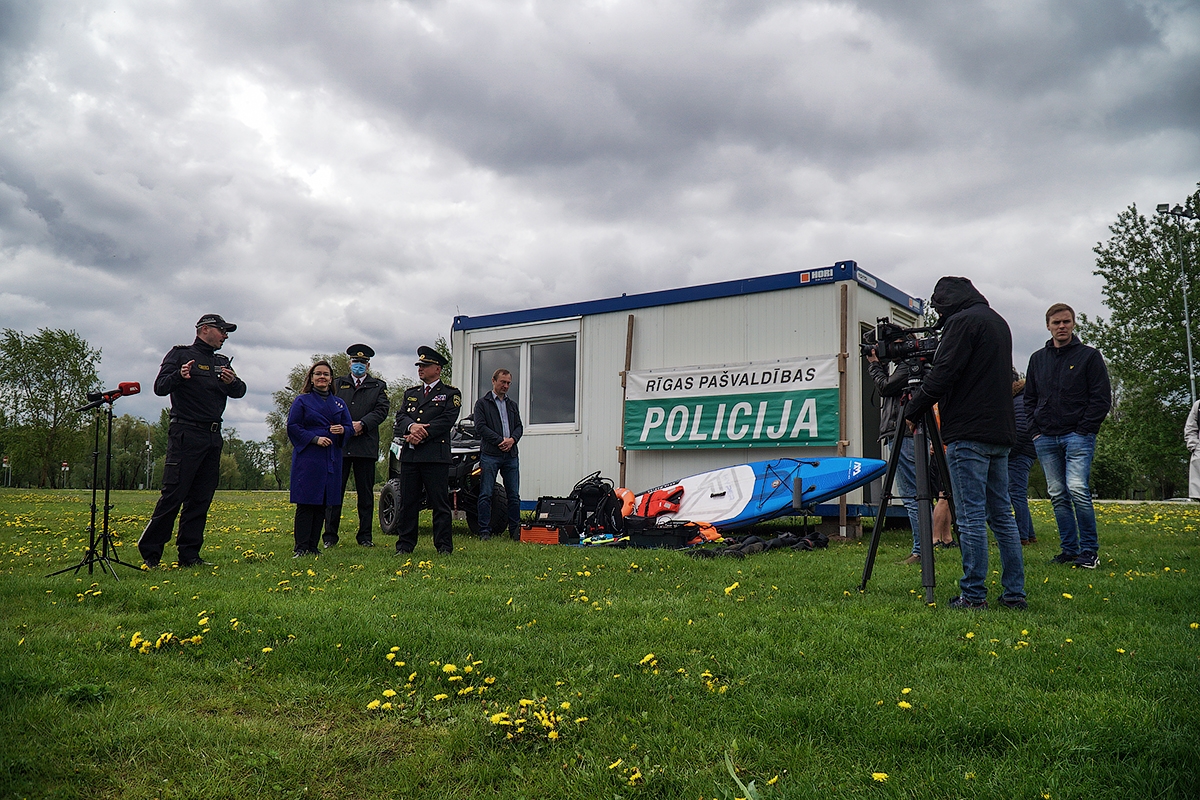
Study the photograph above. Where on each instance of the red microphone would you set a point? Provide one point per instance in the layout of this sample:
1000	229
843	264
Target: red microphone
126	388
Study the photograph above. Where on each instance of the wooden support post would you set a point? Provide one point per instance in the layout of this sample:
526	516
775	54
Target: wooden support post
843	357
621	453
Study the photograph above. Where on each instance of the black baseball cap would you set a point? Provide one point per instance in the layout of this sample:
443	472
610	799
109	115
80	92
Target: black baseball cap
217	321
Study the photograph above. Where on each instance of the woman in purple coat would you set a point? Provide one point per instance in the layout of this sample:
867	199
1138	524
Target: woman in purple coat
318	426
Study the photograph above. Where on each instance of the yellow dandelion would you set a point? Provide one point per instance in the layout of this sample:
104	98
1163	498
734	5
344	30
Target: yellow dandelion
906	690
449	669
969	776
729	589
395	649
386	706
204	621
268	649
579	720
1069	597
646	659
904	704
773	781
564	705
389	692
552	735
616	763
440	696
374	704
1121	650
489	680
1194	625
970	634
390	656
879	776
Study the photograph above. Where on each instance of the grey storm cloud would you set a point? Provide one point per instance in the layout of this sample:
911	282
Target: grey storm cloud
324	173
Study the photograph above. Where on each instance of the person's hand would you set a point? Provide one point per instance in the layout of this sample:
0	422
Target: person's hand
358	428
507	444
874	359
227	375
418	432
186	369
324	441
337	430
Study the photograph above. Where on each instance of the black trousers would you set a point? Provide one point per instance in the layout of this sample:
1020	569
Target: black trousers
436	480
364	488
190	477
307	529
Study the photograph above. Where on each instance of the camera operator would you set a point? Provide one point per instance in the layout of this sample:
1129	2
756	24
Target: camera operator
971	380
890	388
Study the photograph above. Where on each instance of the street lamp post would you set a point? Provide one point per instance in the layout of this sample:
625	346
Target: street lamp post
149	449
1180	213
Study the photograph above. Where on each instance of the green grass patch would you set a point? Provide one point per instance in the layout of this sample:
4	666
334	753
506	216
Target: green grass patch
514	671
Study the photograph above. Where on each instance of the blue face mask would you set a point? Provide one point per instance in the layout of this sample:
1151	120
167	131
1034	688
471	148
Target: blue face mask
358	369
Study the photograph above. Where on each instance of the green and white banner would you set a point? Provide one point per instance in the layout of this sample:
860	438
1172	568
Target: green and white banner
759	404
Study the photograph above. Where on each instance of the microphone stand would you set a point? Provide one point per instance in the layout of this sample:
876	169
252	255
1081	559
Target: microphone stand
107	555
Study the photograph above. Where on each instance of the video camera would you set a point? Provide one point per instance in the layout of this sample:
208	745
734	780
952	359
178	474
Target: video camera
894	343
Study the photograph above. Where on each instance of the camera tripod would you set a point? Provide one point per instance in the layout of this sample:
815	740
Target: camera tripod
107	554
924	433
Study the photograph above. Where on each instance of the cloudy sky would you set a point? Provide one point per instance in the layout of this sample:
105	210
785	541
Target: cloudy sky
323	173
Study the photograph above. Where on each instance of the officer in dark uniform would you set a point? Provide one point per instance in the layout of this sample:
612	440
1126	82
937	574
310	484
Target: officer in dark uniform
199	381
426	415
367	399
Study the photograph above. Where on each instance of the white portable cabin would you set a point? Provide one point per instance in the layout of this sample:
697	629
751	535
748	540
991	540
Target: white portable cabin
569	367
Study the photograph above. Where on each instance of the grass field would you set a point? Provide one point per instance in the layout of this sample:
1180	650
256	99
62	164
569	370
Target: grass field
636	673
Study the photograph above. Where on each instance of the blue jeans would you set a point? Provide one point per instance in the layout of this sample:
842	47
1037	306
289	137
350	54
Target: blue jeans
1067	462
1018	491
905	487
509	471
979	480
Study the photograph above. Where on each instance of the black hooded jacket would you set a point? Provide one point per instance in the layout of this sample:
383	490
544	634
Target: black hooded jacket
971	375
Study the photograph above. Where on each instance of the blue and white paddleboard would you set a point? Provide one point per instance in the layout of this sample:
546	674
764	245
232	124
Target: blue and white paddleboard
745	494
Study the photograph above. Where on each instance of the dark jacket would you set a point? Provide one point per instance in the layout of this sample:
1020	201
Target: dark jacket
1024	444
439	411
1067	390
317	471
369	405
490	429
971	374
890	388
201	398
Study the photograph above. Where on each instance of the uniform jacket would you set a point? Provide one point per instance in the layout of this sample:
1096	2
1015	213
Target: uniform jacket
1067	390
1024	444
491	429
971	375
369	405
439	411
890	387
200	398
317	471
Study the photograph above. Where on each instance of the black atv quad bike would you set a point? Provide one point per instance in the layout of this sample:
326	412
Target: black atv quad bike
465	475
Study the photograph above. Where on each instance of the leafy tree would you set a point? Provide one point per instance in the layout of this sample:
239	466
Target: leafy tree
443	347
45	378
1145	264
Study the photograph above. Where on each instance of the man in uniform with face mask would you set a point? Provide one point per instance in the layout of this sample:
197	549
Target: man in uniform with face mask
367	399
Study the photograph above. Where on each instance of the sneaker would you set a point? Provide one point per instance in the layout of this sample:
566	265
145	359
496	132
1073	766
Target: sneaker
1033	540
367	543
1064	558
327	544
150	564
962	602
1088	560
299	554
915	558
1016	604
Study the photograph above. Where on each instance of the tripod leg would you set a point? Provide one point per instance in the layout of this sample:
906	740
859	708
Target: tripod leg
888	478
924	507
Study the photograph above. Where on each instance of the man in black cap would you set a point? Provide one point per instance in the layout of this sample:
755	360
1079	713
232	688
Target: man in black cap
367	399
199	381
426	415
